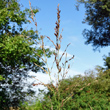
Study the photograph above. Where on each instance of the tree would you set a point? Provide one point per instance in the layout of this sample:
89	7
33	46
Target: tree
18	53
107	61
98	17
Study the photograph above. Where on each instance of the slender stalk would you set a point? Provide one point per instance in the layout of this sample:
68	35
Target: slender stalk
55	90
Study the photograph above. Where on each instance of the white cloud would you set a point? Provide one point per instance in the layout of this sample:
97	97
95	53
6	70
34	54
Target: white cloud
68	55
44	78
60	51
53	49
39	78
72	73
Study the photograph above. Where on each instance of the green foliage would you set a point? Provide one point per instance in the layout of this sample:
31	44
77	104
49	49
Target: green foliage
98	17
36	106
89	92
107	61
1	78
18	53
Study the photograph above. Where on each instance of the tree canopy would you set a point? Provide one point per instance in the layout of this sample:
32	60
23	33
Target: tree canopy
18	53
97	15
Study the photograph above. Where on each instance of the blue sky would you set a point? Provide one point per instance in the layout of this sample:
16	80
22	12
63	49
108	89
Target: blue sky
71	23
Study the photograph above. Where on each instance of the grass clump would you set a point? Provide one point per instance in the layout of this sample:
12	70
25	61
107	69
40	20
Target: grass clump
54	102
